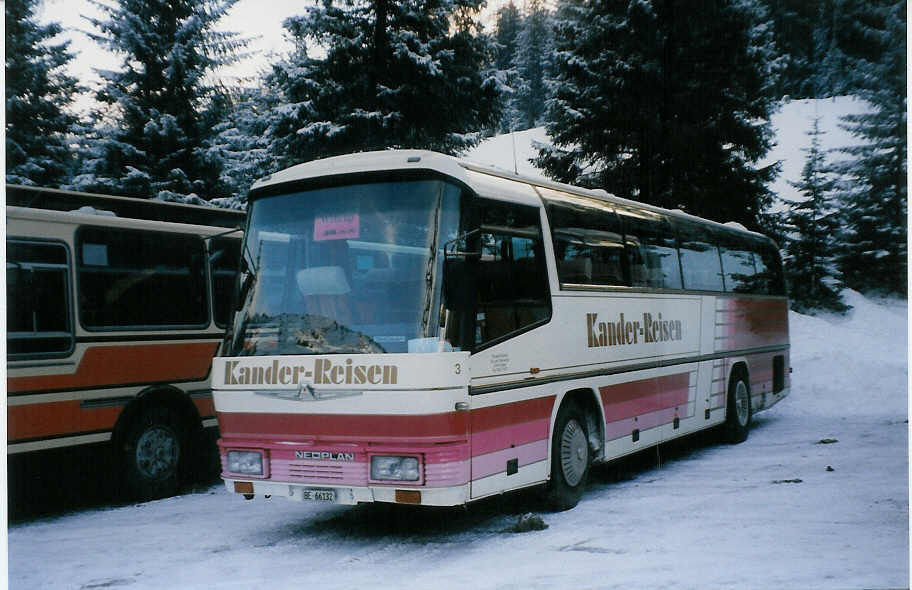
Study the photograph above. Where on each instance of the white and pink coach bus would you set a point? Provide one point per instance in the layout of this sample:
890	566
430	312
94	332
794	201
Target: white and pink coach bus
414	328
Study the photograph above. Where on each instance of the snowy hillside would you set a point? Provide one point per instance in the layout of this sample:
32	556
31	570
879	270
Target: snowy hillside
792	122
817	497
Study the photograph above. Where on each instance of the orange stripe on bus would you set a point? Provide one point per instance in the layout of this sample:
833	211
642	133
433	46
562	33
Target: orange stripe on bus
124	364
57	418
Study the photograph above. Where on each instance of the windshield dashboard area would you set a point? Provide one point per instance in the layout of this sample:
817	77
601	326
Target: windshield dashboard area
345	269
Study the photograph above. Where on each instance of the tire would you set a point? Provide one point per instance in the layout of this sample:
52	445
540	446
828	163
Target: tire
738	409
153	454
570	458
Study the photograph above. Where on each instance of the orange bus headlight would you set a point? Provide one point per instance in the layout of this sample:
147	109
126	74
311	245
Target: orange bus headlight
385	468
246	462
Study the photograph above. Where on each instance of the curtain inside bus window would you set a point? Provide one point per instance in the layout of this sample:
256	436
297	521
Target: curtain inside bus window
38	312
131	279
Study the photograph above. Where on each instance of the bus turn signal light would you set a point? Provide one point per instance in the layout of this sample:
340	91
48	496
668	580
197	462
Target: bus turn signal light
243	487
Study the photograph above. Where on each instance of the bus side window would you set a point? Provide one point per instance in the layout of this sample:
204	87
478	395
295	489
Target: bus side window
38	310
511	277
738	267
132	279
588	245
652	251
769	279
224	259
700	264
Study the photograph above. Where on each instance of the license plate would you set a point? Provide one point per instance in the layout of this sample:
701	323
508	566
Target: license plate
319	495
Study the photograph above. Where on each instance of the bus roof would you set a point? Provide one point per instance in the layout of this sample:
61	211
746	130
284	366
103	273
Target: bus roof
462	170
123	207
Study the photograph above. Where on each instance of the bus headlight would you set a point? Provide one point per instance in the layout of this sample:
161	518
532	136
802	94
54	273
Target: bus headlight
246	462
394	468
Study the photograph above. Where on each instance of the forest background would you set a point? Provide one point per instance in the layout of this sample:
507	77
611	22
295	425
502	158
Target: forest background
664	101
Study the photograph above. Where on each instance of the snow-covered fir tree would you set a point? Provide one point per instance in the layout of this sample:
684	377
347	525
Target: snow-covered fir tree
665	102
154	137
406	74
874	250
241	143
813	227
38	95
506	29
532	63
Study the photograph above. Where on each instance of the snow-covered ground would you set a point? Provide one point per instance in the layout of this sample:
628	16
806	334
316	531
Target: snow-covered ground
767	513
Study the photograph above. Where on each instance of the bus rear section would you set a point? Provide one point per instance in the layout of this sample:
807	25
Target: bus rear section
112	323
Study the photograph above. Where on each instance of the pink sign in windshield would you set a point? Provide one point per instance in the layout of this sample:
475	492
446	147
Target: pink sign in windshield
337	227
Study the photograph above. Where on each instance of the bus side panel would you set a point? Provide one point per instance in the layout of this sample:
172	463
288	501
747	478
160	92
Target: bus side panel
510	439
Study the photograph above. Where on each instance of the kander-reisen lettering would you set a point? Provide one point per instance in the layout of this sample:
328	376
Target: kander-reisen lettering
322	372
622	332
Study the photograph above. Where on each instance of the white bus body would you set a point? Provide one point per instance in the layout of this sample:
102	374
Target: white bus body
414	328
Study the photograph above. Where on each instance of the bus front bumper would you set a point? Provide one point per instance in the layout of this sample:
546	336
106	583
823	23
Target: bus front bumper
449	496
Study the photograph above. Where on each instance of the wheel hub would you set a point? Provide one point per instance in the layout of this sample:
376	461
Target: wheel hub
574	452
157	452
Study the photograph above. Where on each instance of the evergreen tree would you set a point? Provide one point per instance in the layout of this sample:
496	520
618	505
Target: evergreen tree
241	143
154	141
508	25
813	224
665	102
532	60
405	74
38	95
794	30
874	251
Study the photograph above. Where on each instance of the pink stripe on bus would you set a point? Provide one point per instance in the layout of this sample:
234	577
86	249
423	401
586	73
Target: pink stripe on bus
492	463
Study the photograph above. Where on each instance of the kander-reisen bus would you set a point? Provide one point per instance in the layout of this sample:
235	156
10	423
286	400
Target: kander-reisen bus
414	328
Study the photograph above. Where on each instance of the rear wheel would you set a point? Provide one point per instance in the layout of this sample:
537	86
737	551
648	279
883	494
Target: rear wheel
153	450
570	458
738	409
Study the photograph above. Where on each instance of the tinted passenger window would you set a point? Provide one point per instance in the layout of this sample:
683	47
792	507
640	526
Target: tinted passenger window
738	268
136	279
512	279
588	244
224	257
769	279
652	251
700	265
38	310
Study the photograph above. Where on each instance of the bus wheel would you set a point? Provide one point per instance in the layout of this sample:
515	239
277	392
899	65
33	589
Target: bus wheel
570	458
152	453
738	409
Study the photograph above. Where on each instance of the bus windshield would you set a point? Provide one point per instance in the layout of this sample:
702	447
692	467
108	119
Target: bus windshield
346	269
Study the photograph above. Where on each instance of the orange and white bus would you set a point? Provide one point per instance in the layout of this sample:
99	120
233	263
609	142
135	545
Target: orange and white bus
115	308
414	328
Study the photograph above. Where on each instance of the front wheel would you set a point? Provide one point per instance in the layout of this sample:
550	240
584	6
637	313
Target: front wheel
570	458
738	410
152	453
